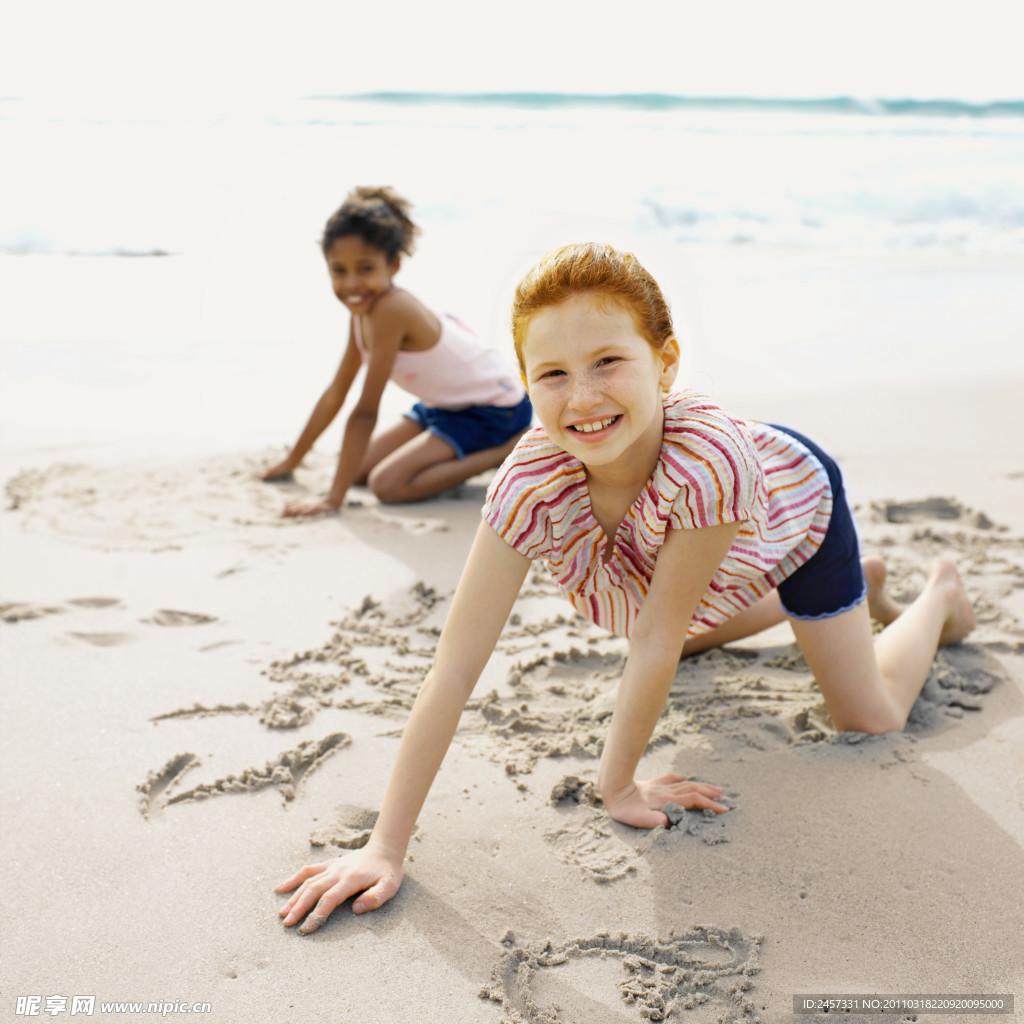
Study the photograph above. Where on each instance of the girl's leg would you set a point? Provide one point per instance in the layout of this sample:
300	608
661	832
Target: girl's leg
385	442
758	617
871	686
769	612
427	465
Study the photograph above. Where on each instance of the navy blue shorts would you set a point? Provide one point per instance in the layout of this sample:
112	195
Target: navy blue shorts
476	427
831	581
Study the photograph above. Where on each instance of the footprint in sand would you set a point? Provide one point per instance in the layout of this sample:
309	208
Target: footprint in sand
103	639
587	839
16	611
19	611
591	845
930	508
704	974
169	617
915	511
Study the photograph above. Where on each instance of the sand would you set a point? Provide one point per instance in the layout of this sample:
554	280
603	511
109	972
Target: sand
199	697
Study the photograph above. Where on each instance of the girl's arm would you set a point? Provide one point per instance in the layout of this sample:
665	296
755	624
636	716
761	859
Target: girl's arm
686	564
323	413
486	592
385	327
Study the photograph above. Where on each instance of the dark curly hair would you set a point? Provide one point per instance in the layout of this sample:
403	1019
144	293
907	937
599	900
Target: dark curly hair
376	214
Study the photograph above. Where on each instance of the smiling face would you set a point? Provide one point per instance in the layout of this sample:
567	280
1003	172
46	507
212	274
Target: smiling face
359	272
596	383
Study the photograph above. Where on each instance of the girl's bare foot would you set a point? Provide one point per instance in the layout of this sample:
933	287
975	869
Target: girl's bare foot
960	618
881	606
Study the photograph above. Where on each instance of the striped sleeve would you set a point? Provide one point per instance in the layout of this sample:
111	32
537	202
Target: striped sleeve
714	464
527	490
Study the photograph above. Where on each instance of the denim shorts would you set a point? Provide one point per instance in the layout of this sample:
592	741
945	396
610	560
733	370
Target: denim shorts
831	581
476	427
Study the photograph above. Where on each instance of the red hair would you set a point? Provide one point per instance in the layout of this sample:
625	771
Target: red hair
599	270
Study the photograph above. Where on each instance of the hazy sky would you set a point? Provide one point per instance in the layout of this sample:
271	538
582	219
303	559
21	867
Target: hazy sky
228	52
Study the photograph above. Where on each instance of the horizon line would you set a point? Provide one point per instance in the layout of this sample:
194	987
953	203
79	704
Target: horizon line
852	101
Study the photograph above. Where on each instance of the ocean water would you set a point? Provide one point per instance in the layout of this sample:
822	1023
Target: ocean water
812	173
161	283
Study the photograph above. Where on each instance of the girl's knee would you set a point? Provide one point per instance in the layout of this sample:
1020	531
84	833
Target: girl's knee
873	721
387	487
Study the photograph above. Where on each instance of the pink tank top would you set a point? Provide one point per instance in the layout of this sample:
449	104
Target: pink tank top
457	372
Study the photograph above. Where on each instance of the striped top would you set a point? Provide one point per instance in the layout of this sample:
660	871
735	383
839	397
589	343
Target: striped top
713	469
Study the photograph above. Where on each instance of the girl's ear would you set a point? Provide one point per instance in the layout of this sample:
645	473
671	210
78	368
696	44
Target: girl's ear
669	356
395	265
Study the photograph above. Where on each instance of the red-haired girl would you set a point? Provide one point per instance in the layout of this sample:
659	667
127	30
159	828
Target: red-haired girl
667	520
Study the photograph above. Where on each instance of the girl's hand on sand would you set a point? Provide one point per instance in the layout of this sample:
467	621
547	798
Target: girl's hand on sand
639	804
309	507
325	886
276	472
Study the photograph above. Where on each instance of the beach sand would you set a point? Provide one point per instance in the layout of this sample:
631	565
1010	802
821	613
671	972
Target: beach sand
199	697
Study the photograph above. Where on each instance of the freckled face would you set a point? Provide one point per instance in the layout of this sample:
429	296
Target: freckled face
359	273
596	383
